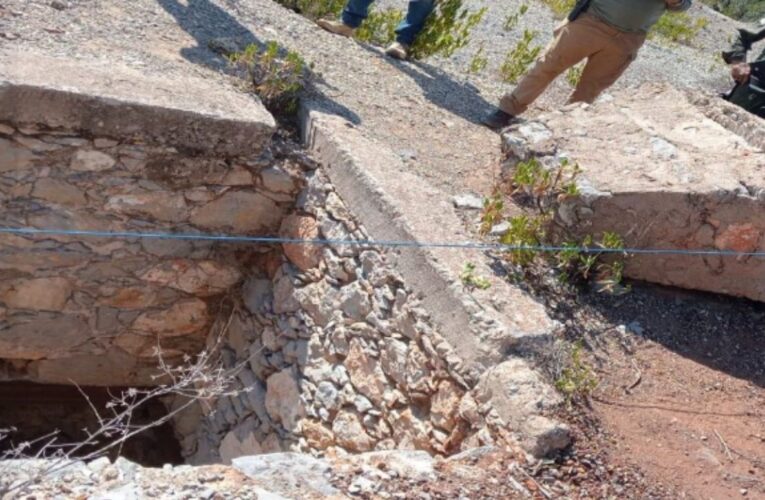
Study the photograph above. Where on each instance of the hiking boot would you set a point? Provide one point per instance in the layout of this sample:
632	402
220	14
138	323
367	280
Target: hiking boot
336	27
398	50
498	120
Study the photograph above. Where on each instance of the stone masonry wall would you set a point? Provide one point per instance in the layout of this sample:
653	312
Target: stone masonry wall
92	310
337	355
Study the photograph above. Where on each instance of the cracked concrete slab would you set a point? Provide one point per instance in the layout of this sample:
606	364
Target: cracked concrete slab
666	171
117	101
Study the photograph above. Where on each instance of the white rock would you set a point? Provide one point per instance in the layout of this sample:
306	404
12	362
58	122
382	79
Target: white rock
91	161
290	474
468	201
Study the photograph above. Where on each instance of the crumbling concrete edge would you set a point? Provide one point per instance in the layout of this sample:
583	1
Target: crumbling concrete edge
732	117
120	102
361	172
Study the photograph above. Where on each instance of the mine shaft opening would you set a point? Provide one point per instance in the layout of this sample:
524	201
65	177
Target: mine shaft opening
30	411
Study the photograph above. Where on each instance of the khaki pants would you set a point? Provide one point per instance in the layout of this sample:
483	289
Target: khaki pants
608	51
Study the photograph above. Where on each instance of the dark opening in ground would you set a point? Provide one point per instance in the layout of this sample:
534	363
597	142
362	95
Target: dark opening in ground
36	410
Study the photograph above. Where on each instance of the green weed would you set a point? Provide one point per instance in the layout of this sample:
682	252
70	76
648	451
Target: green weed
524	231
678	27
512	20
315	9
380	27
545	189
561	8
277	75
611	272
447	30
577	380
492	212
479	62
518	60
574	75
470	280
545	186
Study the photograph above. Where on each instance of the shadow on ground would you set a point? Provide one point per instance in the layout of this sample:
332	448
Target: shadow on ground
441	89
208	23
723	333
205	21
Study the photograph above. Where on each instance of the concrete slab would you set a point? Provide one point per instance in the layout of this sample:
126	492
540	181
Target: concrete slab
116	101
665	170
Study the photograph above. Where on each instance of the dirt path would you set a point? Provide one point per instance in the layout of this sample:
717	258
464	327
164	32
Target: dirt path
683	392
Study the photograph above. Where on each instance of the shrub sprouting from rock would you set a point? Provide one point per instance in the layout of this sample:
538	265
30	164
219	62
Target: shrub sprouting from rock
277	75
535	238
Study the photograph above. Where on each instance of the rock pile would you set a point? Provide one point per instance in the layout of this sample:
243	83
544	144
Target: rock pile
335	354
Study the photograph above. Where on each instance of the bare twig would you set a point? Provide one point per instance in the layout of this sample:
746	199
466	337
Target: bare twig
638	378
541	488
724	445
197	380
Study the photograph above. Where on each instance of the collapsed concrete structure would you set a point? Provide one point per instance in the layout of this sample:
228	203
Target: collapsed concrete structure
332	347
666	169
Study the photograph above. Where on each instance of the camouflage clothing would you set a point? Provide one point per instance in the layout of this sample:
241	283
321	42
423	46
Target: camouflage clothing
750	95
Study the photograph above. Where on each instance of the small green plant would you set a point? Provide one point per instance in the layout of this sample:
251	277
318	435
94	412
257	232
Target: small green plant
470	280
278	76
447	30
560	7
527	233
492	212
680	28
315	9
577	380
518	60
574	75
545	186
479	62
611	272
380	27
512	20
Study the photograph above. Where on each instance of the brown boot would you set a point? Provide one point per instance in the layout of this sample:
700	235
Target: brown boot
336	27
398	50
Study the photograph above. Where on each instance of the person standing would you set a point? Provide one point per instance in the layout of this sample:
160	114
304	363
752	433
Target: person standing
749	92
357	10
608	33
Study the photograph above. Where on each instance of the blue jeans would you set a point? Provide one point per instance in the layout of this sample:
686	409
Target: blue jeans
357	10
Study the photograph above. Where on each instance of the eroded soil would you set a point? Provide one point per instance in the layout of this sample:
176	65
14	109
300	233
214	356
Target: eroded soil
681	390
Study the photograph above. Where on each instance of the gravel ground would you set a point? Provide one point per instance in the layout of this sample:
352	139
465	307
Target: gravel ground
424	111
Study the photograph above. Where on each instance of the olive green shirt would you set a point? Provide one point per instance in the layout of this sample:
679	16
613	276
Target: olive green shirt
634	16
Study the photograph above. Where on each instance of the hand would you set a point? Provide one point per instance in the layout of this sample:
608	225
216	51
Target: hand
740	72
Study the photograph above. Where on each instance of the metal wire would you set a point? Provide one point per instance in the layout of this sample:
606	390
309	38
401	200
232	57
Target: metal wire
272	240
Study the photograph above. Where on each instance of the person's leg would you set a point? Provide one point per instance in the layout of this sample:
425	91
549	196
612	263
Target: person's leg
606	66
574	42
416	15
355	12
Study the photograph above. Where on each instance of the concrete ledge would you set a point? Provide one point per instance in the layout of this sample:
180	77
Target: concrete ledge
664	175
393	204
120	102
